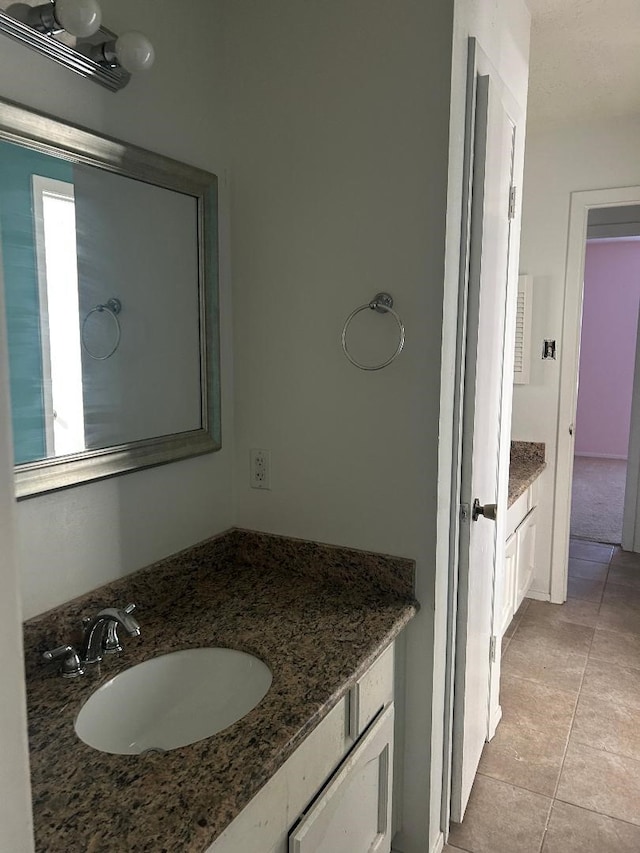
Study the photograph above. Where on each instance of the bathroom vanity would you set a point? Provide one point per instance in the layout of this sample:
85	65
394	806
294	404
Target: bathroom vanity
287	774
527	464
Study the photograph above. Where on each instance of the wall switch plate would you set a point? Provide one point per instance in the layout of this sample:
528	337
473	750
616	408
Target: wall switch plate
260	469
549	349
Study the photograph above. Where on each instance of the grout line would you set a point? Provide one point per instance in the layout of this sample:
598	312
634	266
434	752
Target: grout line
513	784
600	814
573	717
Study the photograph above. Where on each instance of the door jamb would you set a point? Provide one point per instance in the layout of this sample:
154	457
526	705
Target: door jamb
630	532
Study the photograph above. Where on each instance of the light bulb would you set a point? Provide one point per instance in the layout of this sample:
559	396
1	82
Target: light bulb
134	51
78	17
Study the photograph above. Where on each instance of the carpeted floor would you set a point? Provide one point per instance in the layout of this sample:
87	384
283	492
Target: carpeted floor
597	499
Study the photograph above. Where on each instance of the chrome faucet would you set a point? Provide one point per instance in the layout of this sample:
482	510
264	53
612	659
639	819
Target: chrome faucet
101	636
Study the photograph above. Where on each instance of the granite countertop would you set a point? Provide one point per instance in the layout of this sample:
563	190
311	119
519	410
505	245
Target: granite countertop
317	615
526	465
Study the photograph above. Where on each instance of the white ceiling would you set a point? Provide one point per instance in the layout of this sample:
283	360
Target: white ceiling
585	59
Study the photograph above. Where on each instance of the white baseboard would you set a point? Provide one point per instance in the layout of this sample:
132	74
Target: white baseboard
438	844
538	596
601	456
436	847
494	720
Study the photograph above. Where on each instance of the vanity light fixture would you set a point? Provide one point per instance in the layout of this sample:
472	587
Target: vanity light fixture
78	17
70	33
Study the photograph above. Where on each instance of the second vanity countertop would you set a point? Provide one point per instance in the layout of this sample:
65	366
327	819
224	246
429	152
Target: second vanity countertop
317	616
526	464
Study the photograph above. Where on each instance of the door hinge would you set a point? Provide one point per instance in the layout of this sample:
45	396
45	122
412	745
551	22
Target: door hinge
492	648
512	202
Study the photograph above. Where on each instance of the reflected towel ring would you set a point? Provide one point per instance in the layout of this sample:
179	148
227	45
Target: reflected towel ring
113	308
383	304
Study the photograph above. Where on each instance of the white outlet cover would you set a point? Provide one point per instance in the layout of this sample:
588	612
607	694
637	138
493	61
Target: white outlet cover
260	469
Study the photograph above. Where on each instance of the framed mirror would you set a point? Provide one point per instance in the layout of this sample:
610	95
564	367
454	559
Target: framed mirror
108	255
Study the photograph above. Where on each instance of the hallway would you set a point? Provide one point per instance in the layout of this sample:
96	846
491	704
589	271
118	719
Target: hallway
562	774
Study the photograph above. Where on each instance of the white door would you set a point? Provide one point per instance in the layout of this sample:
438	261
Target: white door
482	401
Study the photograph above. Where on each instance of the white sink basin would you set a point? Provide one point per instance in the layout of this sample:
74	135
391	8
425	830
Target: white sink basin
172	700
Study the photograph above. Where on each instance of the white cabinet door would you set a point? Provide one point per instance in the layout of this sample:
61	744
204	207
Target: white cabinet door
353	812
526	535
509	582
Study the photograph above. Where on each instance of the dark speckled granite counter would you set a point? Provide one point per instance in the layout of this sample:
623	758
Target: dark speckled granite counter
526	464
317	615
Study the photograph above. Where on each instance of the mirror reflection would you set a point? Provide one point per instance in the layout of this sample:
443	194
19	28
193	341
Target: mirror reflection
103	305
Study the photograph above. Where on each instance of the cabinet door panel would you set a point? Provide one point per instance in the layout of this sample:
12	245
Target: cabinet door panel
353	812
509	582
526	534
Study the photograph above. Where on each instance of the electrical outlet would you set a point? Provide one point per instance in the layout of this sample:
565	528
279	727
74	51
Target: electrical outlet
260	469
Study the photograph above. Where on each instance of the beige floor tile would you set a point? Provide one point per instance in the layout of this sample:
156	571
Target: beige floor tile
619	592
585	589
575	830
551	632
625	575
524	757
625	558
553	667
617	647
608	725
601	782
511	629
536	706
595	551
588	569
449	849
501	818
612	682
619	615
573	610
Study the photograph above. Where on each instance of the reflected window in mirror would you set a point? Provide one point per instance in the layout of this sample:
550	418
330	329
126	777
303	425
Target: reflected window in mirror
111	300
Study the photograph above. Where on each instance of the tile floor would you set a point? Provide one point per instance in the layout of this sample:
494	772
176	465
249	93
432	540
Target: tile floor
562	774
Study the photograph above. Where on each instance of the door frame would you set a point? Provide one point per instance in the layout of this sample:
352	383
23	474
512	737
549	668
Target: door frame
581	203
631	511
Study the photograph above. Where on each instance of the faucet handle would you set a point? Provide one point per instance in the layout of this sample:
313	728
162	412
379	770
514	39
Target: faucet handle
111	644
70	666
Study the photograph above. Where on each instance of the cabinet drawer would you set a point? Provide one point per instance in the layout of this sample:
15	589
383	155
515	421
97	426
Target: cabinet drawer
371	693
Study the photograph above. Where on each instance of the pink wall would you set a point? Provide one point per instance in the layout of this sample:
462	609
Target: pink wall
608	344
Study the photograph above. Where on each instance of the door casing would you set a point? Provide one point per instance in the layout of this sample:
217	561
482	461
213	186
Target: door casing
581	203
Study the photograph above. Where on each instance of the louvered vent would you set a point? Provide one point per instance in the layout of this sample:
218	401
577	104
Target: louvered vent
522	352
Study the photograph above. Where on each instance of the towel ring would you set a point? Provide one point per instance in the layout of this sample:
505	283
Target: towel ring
113	308
383	304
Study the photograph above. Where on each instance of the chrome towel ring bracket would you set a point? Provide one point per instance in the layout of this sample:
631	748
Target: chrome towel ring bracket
113	307
383	304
